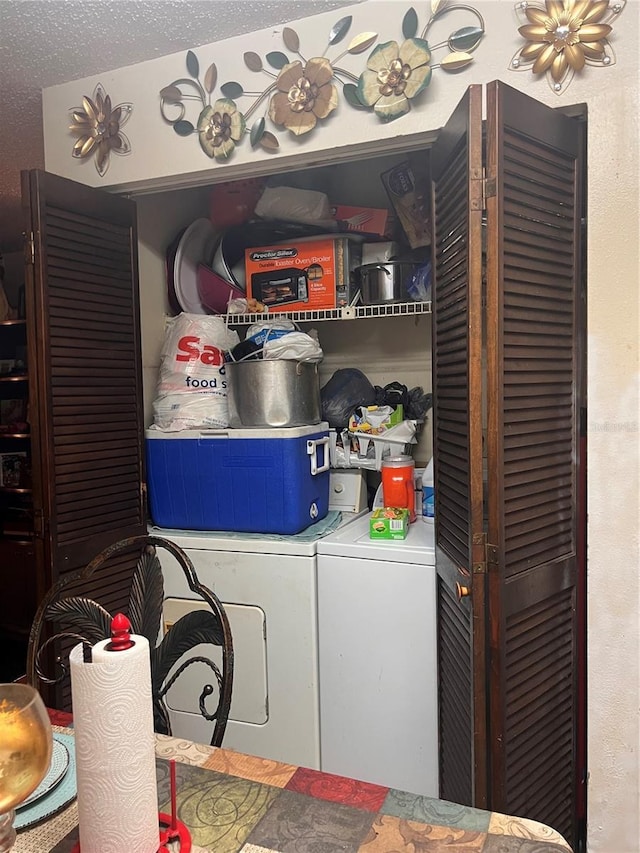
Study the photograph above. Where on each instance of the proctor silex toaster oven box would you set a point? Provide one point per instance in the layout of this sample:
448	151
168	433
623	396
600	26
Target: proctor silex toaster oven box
303	275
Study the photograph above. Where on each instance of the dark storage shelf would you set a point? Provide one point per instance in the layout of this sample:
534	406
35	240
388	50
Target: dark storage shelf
16	435
15	490
21	322
14	377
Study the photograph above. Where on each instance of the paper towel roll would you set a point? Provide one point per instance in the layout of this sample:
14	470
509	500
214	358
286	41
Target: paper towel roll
115	749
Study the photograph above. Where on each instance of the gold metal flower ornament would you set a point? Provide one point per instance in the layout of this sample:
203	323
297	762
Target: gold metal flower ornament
563	36
305	94
397	73
220	127
98	127
394	75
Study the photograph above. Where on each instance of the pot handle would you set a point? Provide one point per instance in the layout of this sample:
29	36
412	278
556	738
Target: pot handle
312	450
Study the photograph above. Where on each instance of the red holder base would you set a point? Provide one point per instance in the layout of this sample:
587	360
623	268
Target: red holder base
173	830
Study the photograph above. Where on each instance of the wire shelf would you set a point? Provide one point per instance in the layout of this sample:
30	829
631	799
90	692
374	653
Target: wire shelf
349	312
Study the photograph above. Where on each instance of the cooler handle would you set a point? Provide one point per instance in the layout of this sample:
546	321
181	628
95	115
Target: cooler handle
312	447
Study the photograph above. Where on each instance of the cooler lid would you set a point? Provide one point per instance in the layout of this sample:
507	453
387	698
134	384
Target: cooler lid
230	432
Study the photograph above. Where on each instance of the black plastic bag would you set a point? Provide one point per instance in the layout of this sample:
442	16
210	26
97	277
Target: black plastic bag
347	389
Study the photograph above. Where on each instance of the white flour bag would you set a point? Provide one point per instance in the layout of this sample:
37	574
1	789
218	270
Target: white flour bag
192	385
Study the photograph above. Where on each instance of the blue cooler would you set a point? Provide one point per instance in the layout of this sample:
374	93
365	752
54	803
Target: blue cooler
249	480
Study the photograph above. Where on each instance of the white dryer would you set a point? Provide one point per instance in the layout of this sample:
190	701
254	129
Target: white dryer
377	657
268	586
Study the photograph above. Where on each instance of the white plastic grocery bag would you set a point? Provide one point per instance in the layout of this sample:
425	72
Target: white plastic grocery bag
192	386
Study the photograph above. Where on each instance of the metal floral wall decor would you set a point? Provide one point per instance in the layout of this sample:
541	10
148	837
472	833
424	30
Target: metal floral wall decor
303	92
562	36
98	127
397	73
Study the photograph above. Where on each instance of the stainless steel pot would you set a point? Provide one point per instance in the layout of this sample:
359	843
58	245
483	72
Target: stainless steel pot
278	393
385	282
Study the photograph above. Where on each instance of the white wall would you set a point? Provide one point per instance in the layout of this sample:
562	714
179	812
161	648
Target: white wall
612	95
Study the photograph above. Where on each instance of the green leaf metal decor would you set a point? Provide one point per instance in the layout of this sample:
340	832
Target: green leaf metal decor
276	59
350	92
339	31
303	94
193	66
183	128
257	131
232	90
467	38
410	23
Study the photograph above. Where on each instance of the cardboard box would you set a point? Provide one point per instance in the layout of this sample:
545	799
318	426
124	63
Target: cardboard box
389	523
303	275
370	220
410	199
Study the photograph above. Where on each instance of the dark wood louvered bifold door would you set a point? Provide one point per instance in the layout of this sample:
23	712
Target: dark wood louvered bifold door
534	390
87	396
456	163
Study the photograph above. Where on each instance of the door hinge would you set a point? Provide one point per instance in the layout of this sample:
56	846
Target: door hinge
29	249
478	554
476	189
492	557
488	188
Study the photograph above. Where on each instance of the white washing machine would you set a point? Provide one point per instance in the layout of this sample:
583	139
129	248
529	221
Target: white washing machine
377	657
268	587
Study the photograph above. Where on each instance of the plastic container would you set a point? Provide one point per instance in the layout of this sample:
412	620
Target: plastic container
249	480
428	494
398	487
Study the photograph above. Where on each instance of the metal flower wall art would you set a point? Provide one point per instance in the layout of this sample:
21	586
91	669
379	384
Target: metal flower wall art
98	127
562	36
303	92
397	73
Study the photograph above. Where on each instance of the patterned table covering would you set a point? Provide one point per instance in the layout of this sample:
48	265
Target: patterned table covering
236	803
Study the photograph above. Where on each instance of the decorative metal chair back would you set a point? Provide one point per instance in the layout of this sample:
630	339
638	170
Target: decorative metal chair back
84	620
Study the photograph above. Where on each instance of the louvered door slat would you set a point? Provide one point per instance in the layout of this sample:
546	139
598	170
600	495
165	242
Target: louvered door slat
455	691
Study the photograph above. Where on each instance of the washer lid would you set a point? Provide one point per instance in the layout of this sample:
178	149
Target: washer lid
353	540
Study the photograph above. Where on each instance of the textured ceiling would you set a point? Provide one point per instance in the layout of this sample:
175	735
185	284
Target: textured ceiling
45	42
